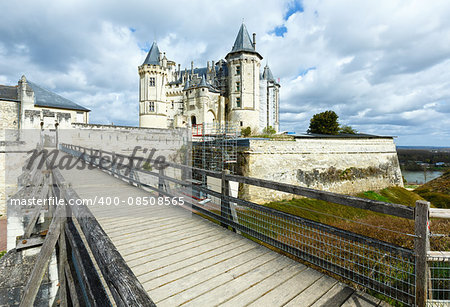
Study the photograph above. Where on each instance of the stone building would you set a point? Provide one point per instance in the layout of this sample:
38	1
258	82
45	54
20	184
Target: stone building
28	105
232	90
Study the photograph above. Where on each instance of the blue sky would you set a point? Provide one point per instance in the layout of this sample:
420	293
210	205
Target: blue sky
383	66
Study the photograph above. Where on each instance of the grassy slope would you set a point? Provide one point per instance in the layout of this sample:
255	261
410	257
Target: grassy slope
345	217
437	191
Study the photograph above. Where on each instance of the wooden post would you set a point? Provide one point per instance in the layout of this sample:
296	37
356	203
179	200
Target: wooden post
421	247
161	181
62	263
224	203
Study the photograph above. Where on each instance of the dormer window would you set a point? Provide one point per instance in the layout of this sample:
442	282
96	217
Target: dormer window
151	81
238	70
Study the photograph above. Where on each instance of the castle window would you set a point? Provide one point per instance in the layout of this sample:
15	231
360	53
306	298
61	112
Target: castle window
152	81
238	102
242	124
151	106
238	86
238	70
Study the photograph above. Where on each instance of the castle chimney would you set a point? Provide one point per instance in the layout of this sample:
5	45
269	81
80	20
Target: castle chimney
179	70
192	68
254	41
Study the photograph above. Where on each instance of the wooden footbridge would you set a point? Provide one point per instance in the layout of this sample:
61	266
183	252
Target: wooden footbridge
117	245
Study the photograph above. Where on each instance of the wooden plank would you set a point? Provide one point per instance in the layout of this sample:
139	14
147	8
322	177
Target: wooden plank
167	243
162	250
440	213
123	284
264	286
175	255
421	247
62	259
239	283
361	299
441	255
91	281
313	292
335	297
158	273
71	286
42	261
289	289
235	253
215	276
30	242
37	210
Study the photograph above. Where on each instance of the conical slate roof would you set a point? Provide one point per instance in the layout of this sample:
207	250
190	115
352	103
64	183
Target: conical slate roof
203	82
186	85
243	41
267	74
153	55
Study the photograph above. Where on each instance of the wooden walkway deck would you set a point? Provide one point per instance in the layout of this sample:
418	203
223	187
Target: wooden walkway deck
183	259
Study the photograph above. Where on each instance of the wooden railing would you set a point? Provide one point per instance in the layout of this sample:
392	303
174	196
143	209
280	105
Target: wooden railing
396	272
79	281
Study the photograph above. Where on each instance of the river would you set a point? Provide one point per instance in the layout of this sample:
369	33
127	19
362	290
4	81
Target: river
419	176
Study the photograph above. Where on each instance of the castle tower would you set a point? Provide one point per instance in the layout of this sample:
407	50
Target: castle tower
152	90
269	100
243	82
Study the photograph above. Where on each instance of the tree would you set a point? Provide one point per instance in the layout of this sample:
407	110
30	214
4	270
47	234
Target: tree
324	123
246	131
269	130
347	130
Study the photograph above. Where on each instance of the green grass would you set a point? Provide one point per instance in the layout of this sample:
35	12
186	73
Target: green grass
2	253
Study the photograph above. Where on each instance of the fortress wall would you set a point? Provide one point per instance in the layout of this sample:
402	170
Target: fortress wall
8	120
342	165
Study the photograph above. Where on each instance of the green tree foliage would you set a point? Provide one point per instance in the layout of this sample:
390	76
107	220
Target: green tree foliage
245	132
269	130
347	130
324	123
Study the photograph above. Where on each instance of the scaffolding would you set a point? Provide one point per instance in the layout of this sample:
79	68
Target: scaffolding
214	147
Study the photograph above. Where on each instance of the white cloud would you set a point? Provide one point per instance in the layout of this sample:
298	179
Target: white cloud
383	66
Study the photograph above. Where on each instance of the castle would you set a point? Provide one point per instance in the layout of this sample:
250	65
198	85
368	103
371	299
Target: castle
234	90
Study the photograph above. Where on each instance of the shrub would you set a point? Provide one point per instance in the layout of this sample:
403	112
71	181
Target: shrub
247	131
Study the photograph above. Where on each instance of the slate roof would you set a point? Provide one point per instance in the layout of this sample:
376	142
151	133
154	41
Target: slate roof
267	74
203	82
153	55
8	93
243	41
46	98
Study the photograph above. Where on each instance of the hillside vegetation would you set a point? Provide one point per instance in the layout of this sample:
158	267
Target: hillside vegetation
365	222
437	191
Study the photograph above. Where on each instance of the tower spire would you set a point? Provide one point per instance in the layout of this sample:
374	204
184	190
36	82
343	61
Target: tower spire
153	55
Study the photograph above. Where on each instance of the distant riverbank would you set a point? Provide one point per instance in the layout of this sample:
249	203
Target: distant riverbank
420	177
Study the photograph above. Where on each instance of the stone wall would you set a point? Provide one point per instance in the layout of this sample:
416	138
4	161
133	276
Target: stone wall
9	119
336	164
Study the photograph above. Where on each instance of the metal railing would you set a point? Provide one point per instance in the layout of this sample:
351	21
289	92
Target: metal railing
385	268
437	265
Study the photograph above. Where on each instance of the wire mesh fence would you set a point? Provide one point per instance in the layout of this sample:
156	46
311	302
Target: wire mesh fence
438	281
383	267
374	264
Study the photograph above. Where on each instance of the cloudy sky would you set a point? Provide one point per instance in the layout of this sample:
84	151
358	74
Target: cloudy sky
382	65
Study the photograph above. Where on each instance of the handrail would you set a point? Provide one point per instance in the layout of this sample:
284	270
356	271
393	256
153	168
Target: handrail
346	200
360	259
73	255
123	284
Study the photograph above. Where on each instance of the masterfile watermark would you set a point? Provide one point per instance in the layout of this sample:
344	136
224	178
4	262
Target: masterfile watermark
55	159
